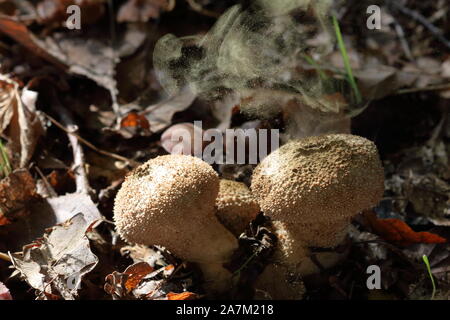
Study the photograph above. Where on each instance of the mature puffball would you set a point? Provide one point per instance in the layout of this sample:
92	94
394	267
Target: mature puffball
235	206
311	188
317	184
169	201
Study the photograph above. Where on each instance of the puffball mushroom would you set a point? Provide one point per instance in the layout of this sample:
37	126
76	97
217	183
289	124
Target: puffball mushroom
311	188
235	206
169	201
316	185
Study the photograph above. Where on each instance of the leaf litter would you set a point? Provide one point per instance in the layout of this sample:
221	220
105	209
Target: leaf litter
51	230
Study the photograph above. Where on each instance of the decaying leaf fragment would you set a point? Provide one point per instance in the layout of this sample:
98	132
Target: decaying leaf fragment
182	296
55	264
156	275
16	191
18	120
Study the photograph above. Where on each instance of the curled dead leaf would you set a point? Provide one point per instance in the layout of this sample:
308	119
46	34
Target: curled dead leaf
397	231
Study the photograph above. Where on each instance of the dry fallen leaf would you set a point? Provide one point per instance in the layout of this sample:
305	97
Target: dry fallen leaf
19	32
19	120
160	115
6	103
45	214
55	264
67	206
398	232
151	277
87	56
136	273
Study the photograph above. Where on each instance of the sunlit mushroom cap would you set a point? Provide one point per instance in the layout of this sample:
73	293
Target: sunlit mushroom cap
319	181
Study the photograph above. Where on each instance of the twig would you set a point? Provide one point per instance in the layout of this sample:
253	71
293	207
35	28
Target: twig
428	88
90	145
403	41
5	257
436	32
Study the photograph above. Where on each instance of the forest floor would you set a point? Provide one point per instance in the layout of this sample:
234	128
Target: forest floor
80	108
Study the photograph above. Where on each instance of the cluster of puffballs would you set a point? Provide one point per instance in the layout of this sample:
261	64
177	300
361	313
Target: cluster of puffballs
309	188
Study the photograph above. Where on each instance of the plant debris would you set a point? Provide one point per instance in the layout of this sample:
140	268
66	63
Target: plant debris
55	264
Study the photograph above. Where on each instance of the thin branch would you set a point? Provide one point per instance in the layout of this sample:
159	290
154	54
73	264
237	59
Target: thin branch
403	41
436	32
437	87
90	145
5	257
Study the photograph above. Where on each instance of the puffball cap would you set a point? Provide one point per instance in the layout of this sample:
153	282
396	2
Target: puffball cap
319	179
169	201
235	206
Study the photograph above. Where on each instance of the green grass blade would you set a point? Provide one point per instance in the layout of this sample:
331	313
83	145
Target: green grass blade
348	69
427	263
